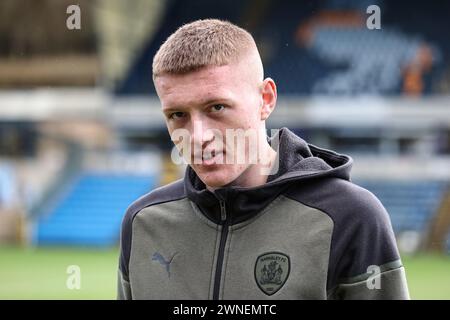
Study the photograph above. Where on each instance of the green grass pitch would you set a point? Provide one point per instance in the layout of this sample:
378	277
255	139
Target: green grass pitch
41	273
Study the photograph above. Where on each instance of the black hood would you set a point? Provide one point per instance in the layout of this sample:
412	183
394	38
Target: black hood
298	162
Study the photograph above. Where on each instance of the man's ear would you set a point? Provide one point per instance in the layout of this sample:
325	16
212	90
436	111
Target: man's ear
269	98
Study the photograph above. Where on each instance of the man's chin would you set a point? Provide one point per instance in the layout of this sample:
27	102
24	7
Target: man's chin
215	180
218	176
215	183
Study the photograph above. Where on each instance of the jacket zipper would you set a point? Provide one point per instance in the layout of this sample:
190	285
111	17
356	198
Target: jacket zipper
223	240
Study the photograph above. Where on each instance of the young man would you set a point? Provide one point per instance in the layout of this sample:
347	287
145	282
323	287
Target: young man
249	222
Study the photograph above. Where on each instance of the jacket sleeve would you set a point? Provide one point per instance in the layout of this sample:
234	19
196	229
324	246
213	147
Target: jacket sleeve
377	284
123	282
123	288
364	260
123	277
167	193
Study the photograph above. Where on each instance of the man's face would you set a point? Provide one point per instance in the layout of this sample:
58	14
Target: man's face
206	103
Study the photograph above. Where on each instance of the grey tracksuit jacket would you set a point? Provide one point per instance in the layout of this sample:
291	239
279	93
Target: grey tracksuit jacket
308	233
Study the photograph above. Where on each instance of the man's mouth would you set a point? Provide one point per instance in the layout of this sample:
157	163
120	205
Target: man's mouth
212	158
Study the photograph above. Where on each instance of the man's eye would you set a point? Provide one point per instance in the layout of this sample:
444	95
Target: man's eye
176	115
217	107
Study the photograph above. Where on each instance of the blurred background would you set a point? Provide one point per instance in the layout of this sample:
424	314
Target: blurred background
82	135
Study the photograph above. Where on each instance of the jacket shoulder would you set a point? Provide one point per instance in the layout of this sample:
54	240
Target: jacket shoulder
362	231
171	192
347	203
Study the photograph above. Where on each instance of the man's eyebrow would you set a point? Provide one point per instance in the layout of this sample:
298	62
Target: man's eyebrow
172	109
201	104
215	101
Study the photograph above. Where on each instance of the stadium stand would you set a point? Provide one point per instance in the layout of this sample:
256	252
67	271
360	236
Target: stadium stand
411	204
439	233
91	211
417	211
314	48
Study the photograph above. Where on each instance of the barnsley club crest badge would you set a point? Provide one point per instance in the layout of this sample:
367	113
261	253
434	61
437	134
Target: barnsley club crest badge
271	271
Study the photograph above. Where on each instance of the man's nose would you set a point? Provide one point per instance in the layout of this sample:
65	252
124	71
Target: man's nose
201	133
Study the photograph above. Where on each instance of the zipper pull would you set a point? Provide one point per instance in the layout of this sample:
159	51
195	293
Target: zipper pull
223	212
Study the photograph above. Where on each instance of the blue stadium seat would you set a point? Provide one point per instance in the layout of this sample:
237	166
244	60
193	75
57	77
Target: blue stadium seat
91	212
410	204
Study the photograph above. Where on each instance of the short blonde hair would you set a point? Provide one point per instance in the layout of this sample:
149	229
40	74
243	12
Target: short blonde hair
202	43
